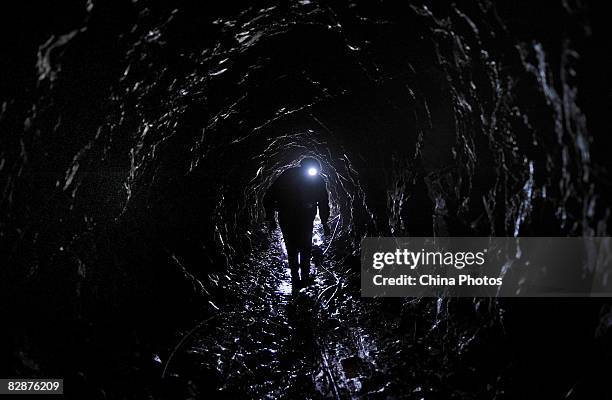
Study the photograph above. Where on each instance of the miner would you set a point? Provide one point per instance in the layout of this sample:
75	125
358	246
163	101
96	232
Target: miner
295	195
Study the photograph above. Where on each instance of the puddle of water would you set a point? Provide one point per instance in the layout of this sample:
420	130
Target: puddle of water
282	246
284	283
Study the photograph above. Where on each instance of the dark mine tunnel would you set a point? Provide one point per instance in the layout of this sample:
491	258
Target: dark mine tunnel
138	140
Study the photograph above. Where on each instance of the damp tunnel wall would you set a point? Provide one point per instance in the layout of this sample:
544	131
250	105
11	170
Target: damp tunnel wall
444	116
142	195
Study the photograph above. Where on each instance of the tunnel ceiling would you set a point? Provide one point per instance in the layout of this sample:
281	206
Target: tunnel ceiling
409	107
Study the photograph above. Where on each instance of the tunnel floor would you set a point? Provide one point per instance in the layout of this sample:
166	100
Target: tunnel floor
266	342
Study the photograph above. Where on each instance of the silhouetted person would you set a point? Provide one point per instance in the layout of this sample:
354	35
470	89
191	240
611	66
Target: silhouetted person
295	195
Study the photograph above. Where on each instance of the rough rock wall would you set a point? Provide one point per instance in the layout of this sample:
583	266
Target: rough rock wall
132	180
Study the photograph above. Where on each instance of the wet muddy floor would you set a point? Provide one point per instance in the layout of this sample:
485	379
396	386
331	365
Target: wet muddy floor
268	341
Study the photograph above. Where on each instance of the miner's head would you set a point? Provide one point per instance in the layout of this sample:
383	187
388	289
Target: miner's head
310	165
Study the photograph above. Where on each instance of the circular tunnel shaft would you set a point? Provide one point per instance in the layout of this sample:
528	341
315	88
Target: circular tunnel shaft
426	121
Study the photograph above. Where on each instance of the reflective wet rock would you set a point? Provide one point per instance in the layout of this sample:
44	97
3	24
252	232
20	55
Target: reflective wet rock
134	166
